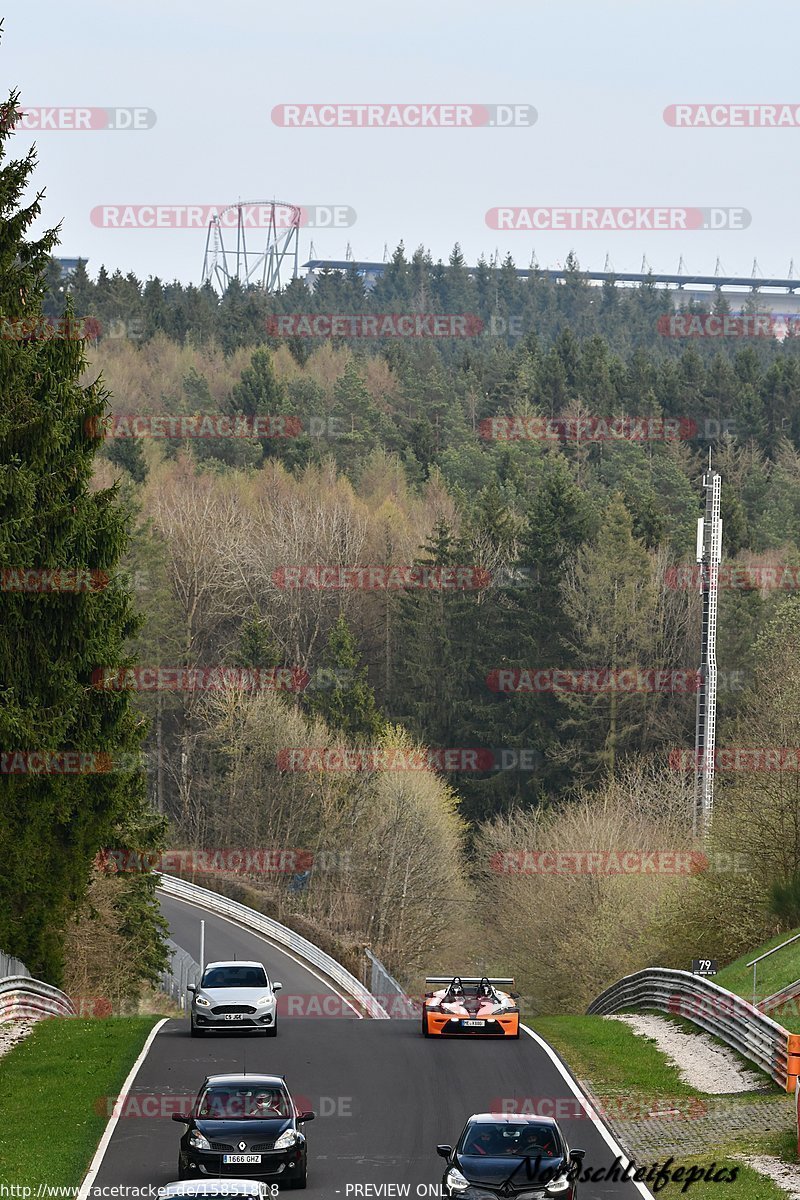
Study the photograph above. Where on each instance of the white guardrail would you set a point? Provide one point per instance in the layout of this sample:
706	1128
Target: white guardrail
274	931
719	1012
24	998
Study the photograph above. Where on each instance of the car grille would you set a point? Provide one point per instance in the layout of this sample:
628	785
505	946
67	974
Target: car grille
221	1009
221	1146
263	1146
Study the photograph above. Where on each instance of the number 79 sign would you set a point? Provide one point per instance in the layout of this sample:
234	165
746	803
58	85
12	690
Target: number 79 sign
704	966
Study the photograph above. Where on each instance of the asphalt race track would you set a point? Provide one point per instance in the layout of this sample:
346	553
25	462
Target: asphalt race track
384	1094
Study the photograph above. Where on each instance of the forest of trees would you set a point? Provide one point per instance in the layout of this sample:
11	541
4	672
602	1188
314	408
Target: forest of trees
390	465
392	462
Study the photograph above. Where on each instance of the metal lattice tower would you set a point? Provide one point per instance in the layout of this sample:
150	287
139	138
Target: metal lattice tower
274	224
709	554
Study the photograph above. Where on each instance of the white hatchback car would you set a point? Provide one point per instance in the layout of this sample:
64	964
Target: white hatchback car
235	995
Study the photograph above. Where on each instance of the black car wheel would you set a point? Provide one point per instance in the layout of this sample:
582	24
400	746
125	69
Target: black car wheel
425	1032
193	1030
181	1173
272	1030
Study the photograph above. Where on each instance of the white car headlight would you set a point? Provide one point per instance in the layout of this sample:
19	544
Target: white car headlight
197	1141
266	999
202	1002
288	1138
557	1187
456	1181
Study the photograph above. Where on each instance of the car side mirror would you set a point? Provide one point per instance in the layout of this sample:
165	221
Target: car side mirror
444	1151
306	1116
578	1155
514	995
277	987
190	987
429	995
181	1117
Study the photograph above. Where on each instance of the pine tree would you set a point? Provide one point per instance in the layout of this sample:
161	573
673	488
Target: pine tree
341	694
51	642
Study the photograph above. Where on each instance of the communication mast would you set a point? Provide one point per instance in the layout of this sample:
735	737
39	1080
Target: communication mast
709	554
276	227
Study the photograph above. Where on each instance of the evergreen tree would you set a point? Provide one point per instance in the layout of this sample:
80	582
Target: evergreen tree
339	692
51	642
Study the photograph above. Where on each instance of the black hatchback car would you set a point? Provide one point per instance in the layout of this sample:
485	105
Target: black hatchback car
511	1156
245	1127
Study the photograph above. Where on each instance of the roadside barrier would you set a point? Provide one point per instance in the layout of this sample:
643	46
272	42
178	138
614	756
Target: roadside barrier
719	1012
275	932
22	997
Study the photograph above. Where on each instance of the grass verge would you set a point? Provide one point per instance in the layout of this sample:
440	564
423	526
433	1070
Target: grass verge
747	1184
615	1062
774	973
611	1056
52	1085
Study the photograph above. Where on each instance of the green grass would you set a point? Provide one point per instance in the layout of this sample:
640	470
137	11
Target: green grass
748	1184
774	973
52	1090
616	1062
611	1056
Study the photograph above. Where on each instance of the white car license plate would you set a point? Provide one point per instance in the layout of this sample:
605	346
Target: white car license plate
233	1016
241	1158
473	1023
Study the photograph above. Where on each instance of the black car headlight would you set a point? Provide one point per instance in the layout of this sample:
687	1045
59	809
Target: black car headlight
456	1181
560	1186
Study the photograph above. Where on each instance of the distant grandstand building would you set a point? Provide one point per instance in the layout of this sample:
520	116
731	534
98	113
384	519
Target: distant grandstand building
774	295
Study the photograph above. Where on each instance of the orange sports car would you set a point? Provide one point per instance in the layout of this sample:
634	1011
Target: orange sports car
471	1007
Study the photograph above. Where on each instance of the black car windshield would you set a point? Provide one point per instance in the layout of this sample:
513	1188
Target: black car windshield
235	977
246	1103
490	1140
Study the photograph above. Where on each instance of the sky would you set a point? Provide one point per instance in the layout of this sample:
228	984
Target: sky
598	74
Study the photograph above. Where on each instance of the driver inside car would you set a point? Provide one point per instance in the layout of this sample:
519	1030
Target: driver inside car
267	1104
482	1143
454	992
